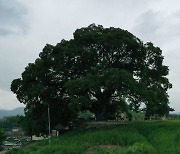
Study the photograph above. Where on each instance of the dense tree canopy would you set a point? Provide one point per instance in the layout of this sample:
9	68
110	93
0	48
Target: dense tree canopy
101	70
2	137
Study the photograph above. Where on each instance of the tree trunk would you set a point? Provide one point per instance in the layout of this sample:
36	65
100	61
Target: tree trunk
101	113
103	99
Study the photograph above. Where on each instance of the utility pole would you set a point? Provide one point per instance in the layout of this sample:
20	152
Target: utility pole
49	122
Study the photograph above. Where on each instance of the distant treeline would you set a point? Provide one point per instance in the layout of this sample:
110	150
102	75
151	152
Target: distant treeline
7	123
174	116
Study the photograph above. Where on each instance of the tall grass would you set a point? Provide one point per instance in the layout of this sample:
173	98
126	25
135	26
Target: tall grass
164	136
134	138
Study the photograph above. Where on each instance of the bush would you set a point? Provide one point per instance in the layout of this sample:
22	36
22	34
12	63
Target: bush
86	115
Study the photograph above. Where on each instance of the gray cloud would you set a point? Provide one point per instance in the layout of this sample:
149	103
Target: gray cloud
4	31
12	17
148	25
158	27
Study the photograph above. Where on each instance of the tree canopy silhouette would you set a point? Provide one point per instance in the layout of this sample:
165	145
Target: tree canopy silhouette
101	70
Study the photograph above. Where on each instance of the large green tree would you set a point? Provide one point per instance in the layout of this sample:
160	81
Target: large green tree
101	70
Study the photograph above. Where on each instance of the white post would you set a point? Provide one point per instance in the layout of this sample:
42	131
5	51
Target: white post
49	126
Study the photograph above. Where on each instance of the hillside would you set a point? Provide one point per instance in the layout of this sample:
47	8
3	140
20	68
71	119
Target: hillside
14	112
162	137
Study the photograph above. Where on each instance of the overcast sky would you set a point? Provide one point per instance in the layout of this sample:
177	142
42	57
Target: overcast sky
27	25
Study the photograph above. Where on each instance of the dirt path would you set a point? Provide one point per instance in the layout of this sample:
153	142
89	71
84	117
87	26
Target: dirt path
2	152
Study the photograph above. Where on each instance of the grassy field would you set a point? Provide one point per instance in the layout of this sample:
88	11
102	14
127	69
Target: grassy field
161	137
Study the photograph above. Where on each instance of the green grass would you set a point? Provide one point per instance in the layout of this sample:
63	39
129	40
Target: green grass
161	137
